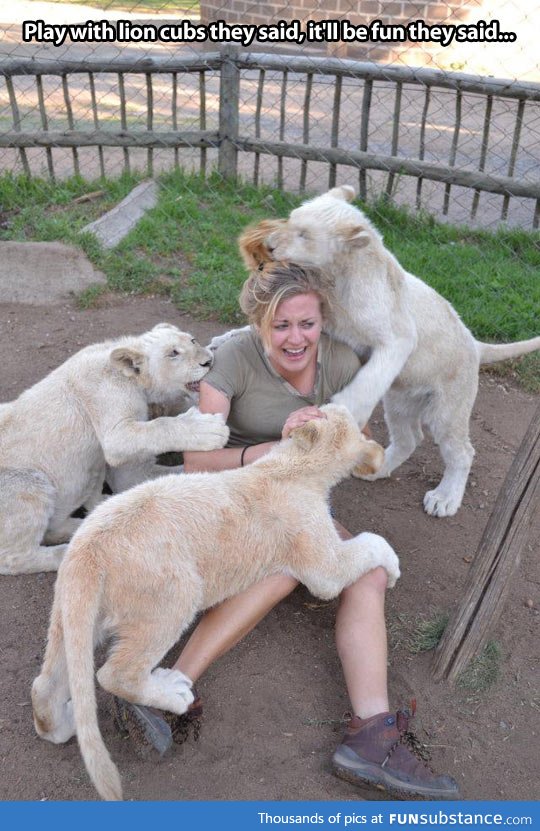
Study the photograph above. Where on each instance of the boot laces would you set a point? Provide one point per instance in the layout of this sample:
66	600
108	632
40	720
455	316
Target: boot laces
408	738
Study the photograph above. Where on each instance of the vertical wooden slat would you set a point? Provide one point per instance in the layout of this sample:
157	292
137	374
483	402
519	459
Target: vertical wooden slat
305	129
282	114
395	135
483	152
364	134
149	120
202	117
258	110
71	122
536	218
229	111
453	148
514	152
17	122
44	124
174	111
422	151
96	121
123	118
334	136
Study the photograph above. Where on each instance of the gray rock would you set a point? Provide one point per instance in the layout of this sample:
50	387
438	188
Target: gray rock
40	273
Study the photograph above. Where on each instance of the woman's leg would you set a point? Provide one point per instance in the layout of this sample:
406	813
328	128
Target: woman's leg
361	643
225	625
361	640
217	632
374	749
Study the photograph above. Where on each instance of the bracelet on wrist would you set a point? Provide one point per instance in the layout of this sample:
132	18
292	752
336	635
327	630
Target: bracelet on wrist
242	454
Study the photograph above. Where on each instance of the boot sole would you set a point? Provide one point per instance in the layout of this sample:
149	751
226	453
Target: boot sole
358	772
150	734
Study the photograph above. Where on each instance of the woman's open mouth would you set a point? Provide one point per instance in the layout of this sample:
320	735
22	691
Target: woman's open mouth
295	354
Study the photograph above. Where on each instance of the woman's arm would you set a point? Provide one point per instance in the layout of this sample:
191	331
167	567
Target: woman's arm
214	401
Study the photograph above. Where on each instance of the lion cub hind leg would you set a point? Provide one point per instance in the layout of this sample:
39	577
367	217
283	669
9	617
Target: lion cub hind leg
63	531
141	644
26	505
51	697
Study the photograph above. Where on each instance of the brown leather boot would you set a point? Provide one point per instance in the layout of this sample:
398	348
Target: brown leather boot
153	731
380	752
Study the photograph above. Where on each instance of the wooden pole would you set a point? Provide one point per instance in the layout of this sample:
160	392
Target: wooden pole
496	560
229	94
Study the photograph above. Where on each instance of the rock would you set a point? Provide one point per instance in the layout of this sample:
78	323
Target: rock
42	273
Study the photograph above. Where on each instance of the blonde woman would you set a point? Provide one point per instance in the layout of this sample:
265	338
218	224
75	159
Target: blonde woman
266	382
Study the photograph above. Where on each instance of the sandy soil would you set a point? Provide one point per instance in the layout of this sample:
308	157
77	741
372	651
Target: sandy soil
273	706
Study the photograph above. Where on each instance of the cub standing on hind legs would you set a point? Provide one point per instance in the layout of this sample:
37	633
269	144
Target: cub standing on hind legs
92	411
424	362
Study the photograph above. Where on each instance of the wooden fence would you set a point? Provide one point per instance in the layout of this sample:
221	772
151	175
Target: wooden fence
239	122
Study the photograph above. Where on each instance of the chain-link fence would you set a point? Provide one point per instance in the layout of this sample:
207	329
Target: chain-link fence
454	143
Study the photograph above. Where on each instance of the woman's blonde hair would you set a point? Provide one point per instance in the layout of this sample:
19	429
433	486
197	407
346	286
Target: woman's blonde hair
266	288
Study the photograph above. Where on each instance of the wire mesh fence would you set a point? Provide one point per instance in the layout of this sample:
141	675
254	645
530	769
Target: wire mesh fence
457	144
299	103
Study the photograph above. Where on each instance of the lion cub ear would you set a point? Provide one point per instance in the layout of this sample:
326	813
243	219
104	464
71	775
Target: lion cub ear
128	361
165	325
307	435
345	192
357	235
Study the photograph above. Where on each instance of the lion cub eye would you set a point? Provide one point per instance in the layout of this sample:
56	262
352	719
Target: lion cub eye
193	340
174	353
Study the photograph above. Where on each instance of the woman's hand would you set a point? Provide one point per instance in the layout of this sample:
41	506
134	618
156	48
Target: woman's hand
299	417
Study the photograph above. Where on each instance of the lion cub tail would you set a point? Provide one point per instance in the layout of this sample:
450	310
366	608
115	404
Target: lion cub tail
81	598
491	352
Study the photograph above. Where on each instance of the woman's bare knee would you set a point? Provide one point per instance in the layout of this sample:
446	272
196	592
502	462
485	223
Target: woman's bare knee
375	580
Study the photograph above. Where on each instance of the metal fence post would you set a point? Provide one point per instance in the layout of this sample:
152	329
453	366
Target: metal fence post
229	102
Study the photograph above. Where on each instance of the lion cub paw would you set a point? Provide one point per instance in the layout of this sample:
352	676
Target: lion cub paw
207	431
382	554
175	688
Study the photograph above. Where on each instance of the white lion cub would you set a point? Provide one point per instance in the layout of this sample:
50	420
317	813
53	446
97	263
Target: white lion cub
191	542
58	436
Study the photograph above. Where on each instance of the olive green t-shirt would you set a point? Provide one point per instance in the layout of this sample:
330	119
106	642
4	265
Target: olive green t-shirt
261	400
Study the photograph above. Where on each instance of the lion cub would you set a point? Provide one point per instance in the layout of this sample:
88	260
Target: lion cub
58	436
192	541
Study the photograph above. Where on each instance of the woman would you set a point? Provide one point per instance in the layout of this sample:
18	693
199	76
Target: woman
266	382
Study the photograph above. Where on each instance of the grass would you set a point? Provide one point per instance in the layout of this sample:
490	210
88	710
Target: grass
480	673
186	248
427	634
483	671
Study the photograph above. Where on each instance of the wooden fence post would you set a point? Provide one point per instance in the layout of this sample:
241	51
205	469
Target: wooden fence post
229	102
496	559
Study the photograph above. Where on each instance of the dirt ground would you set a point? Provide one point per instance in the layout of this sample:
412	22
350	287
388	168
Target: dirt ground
273	705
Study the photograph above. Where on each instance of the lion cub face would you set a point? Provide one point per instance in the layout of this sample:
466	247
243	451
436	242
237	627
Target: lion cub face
321	230
338	443
165	361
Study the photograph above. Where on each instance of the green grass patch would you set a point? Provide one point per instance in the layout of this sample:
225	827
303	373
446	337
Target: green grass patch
427	634
186	248
482	671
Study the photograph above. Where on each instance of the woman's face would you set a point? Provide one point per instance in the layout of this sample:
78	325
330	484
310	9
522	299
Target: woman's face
295	333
